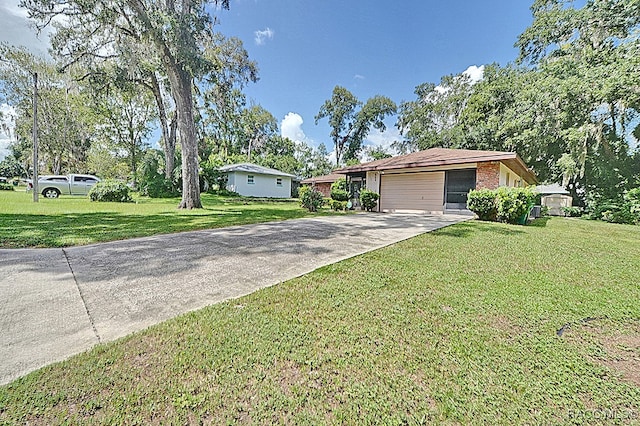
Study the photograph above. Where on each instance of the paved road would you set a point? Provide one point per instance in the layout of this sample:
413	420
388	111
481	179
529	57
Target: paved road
58	302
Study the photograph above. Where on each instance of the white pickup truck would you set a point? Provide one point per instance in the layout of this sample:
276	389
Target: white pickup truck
52	186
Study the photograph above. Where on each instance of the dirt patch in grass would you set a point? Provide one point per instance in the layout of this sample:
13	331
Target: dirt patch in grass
610	344
505	325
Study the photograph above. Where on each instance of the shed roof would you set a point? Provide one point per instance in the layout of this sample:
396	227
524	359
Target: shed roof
551	189
254	168
330	178
444	157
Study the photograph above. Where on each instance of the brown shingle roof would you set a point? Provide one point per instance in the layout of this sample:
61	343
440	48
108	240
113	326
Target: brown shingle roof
444	157
322	179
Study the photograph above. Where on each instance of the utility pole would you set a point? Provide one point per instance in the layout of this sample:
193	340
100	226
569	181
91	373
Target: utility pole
35	137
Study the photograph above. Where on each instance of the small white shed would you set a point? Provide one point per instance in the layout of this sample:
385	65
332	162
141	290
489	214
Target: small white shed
252	180
555	198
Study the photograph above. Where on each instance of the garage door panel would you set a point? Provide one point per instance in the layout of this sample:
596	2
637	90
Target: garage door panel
412	191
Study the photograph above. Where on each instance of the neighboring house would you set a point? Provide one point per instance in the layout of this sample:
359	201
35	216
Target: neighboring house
252	180
322	183
438	180
555	197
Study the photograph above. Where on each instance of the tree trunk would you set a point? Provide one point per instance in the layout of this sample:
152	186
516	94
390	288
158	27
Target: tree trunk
168	130
57	164
170	156
132	151
181	84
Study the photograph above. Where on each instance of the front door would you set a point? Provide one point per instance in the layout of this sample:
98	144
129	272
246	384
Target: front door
458	183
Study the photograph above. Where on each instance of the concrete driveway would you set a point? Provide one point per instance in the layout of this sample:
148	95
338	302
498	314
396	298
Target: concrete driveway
58	302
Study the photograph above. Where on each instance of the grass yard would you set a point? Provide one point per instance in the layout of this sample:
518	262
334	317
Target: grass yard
69	221
459	326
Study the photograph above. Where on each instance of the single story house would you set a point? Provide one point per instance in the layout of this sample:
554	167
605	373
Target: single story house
252	180
555	197
322	183
437	180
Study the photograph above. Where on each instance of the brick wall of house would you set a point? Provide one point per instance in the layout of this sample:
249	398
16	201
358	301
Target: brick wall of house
324	187
488	175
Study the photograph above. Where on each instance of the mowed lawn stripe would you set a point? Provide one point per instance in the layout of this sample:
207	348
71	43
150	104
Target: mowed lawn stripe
69	221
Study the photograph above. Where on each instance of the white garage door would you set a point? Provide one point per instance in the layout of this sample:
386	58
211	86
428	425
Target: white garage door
422	192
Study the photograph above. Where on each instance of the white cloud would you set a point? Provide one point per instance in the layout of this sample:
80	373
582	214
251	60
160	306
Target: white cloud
263	35
17	30
291	127
359	77
331	158
383	139
12	7
441	89
4	147
475	73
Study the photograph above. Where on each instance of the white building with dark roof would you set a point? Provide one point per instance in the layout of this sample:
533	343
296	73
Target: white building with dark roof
252	180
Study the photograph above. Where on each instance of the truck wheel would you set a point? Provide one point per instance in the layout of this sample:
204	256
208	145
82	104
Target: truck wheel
51	193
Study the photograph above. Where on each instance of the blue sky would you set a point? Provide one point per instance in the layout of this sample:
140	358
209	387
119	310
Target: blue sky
305	48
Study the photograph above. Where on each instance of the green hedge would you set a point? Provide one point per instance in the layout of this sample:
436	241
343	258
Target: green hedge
483	203
369	199
310	198
626	210
339	195
110	191
510	205
337	205
158	187
6	187
339	190
513	203
340	184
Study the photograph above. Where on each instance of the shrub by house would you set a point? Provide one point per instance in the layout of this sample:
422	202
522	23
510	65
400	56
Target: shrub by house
504	204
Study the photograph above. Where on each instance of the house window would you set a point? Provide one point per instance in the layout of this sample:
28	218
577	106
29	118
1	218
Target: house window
278	181
250	180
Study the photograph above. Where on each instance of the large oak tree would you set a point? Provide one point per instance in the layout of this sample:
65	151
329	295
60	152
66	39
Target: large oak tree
64	119
173	31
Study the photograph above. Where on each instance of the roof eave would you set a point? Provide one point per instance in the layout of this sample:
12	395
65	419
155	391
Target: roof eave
517	165
513	160
429	163
261	172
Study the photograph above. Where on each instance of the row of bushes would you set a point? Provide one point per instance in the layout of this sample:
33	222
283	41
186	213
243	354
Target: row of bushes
624	210
510	205
115	191
312	200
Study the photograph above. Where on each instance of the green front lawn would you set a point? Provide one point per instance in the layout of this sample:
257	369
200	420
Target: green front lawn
454	327
68	220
